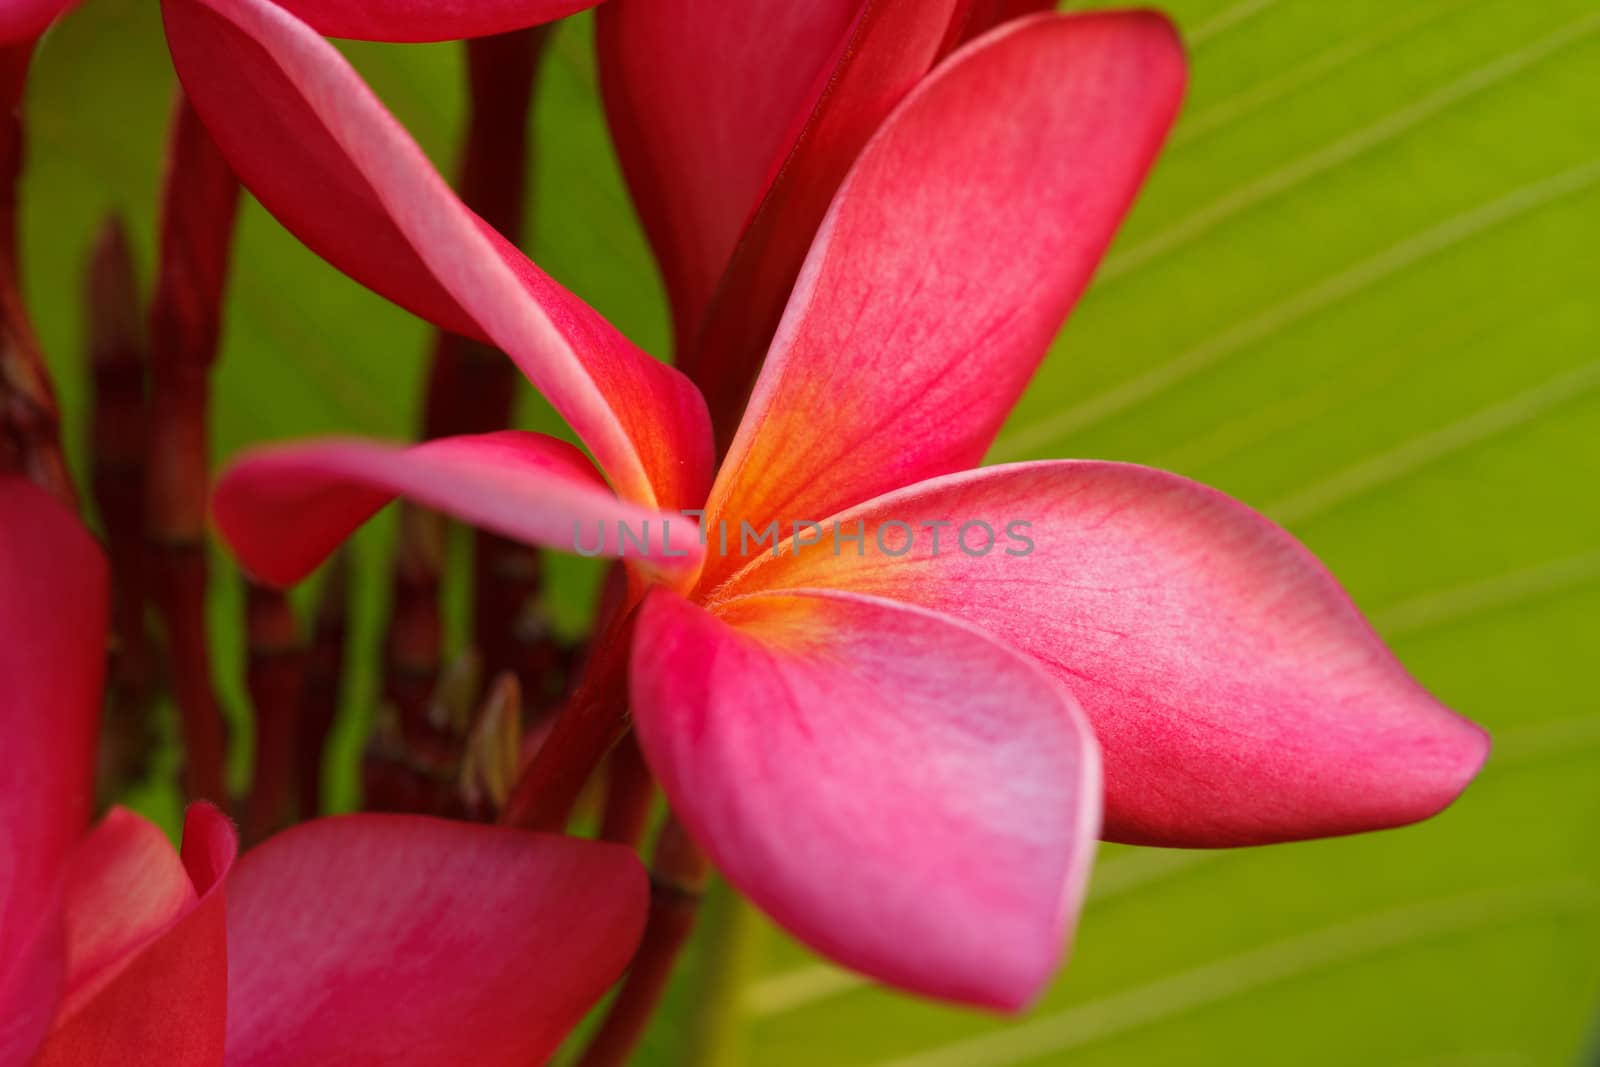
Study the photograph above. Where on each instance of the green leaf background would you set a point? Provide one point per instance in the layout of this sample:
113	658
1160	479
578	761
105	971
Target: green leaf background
1360	293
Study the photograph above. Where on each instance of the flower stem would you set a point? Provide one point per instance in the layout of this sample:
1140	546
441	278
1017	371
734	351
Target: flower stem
678	878
629	791
199	205
275	677
319	699
594	719
414	643
30	427
118	441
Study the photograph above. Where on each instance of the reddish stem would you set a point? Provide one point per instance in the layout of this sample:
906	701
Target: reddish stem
319	702
275	678
415	638
594	719
678	878
30	425
119	438
199	204
629	791
180	596
507	627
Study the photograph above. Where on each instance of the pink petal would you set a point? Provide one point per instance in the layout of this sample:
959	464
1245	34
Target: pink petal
902	792
23	20
1239	696
128	886
53	615
371	939
427	20
30	981
948	261
165	1002
718	110
705	99
309	139
891	47
285	509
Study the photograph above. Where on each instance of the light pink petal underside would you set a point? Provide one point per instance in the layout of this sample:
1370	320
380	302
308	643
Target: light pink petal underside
283	509
1239	696
902	792
165	1004
53	612
386	941
128	886
950	257
307	136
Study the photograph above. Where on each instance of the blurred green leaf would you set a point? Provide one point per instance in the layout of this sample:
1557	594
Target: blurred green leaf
1359	294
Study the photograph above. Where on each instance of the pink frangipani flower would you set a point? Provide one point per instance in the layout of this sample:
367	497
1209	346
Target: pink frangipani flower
361	939
896	748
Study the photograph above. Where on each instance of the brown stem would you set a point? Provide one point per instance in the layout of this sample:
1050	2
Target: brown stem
319	700
181	573
30	424
199	204
275	677
119	437
507	576
678	877
629	791
413	644
594	719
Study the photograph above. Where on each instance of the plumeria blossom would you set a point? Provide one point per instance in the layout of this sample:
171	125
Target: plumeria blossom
899	749
355	940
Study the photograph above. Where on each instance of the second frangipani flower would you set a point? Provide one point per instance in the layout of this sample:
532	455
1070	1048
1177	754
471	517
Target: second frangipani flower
896	751
357	939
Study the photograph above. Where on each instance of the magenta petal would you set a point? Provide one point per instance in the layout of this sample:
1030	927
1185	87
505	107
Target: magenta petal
284	509
163	1003
306	135
1239	696
128	886
898	789
705	99
427	20
20	22
393	940
891	46
952	253
53	611
31	975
